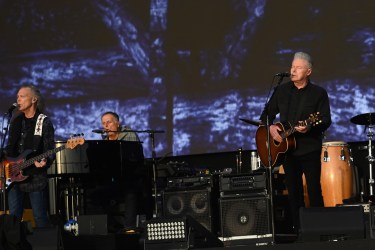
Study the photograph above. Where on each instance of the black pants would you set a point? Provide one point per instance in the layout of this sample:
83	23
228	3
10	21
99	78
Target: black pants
294	166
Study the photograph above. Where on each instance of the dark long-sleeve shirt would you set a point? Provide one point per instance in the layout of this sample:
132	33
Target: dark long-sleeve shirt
287	100
21	138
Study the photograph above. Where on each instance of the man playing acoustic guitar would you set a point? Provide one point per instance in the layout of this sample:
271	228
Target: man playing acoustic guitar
296	101
30	131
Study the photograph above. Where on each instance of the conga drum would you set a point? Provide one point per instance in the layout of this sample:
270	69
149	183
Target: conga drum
337	174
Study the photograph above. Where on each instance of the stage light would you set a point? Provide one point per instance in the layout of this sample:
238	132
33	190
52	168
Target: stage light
167	229
178	233
166	234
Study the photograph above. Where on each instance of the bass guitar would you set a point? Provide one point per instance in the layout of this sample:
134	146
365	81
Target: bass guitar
14	166
279	149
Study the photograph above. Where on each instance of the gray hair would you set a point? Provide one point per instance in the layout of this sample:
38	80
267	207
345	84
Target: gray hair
36	93
304	56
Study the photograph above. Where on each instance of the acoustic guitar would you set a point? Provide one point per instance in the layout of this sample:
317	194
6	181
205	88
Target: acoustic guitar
279	149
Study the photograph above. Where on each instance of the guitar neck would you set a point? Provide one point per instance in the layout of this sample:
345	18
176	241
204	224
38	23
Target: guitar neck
291	130
288	132
31	161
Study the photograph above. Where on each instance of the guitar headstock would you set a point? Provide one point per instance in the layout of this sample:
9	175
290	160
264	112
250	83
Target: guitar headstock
315	119
73	142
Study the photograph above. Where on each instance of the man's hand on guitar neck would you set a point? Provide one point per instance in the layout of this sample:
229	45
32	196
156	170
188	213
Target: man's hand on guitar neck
274	132
41	163
302	129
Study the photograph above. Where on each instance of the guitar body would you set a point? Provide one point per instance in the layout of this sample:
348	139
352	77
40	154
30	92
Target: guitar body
14	166
12	171
277	149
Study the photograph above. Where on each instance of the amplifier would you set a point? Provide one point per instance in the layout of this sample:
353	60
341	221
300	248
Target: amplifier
369	212
188	182
243	182
245	220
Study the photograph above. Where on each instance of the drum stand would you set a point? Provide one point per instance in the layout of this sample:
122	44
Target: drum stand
370	160
367	119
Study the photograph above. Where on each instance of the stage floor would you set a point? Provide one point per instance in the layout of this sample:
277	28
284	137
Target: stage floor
48	239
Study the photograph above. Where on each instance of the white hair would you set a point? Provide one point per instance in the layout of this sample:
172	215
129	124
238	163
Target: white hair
304	56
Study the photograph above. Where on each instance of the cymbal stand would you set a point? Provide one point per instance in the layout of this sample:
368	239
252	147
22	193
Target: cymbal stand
370	160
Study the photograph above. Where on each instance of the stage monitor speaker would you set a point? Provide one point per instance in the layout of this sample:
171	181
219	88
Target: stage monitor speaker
12	234
245	217
195	203
93	224
332	223
178	233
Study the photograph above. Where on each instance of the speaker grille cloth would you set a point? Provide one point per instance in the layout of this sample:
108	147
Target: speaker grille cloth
195	203
247	216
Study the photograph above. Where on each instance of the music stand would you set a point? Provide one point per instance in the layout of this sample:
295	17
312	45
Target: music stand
152	136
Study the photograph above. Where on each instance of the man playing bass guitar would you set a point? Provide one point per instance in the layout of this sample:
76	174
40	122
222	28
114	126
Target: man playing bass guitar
295	102
31	130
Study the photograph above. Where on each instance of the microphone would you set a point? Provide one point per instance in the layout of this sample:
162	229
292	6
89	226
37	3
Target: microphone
283	74
99	131
10	110
103	131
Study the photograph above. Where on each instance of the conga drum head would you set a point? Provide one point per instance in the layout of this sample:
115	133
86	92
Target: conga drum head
334	144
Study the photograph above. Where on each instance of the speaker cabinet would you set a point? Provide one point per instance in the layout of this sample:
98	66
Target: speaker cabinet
195	203
93	224
244	216
12	233
332	223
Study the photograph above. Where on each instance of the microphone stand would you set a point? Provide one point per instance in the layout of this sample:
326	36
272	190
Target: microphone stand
2	158
269	158
152	136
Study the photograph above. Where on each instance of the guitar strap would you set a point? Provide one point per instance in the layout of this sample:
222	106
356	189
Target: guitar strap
37	134
38	131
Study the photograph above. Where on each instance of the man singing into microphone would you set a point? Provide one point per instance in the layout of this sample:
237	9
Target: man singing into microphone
295	101
31	130
113	129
